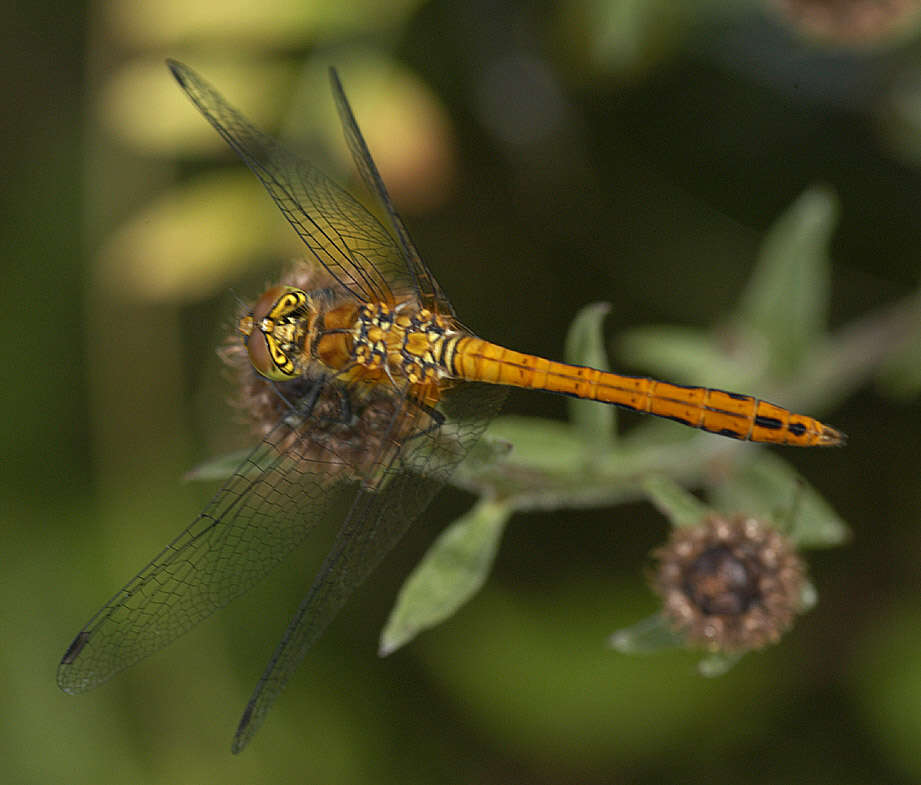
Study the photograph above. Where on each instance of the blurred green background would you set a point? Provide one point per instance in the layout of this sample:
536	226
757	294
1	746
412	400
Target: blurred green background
545	156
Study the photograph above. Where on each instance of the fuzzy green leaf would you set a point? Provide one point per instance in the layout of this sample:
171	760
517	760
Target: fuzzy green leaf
900	375
786	301
540	443
452	571
768	487
220	468
681	507
809	597
650	635
714	665
687	355
585	346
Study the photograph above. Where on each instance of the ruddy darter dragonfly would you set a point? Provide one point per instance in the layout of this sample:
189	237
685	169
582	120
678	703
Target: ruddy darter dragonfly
372	390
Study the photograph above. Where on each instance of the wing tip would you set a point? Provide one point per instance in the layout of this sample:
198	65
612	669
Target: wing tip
334	80
245	729
178	71
76	646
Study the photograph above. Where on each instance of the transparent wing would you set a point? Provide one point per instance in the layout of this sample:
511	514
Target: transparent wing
344	237
429	292
295	478
377	520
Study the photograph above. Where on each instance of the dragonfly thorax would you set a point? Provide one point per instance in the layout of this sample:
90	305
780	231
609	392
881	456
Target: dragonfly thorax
404	341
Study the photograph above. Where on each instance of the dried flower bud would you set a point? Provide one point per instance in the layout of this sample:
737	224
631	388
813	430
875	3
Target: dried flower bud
729	584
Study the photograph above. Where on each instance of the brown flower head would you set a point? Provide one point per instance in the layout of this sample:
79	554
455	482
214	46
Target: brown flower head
729	584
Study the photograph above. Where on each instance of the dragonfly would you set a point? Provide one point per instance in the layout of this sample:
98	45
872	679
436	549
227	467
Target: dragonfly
366	392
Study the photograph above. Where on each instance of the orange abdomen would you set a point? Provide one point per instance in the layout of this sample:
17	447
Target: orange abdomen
728	414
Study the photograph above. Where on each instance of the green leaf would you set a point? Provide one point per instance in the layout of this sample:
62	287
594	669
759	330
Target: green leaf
786	301
680	506
650	635
220	468
487	451
585	340
540	443
595	422
687	355
768	487
714	665
809	597
900	375
452	571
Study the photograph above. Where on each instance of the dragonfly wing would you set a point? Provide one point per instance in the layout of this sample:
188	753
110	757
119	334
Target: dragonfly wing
357	551
266	509
376	522
427	289
343	236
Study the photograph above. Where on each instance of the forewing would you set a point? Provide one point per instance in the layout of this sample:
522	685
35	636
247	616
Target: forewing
344	237
377	520
427	289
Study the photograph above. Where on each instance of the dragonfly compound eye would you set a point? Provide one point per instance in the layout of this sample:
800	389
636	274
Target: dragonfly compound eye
274	332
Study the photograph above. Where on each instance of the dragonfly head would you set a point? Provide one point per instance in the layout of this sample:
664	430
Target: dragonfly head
274	332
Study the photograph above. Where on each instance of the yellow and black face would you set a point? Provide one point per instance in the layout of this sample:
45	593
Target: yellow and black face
275	330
